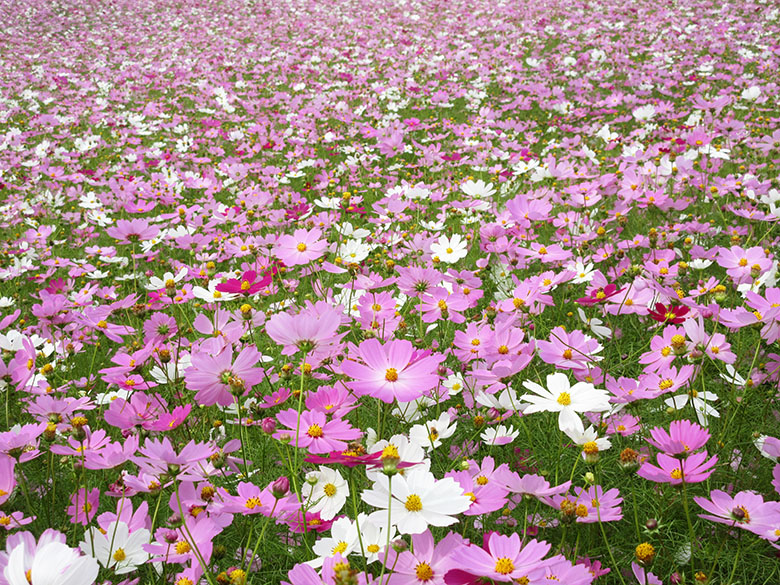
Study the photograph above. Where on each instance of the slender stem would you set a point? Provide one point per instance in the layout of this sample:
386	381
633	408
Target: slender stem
260	538
389	508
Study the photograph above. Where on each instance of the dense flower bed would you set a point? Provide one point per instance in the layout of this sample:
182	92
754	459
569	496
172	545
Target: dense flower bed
407	293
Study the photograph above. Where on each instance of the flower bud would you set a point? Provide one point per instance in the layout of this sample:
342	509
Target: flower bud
268	425
280	487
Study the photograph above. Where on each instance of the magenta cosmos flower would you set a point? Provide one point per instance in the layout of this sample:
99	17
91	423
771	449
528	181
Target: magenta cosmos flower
247	284
133	230
300	248
217	379
394	371
746	510
695	469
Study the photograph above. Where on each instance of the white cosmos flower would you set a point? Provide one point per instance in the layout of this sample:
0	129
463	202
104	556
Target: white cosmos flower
644	112
117	549
429	435
343	540
374	536
211	294
700	402
158	283
418	501
50	563
402	448
595	325
589	440
699	263
565	399
584	272
326	491
450	250
478	189
500	435
353	251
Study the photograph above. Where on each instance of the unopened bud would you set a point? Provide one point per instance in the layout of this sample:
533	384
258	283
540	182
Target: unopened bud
280	487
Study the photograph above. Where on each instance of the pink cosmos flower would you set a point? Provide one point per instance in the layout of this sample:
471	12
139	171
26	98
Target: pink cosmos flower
394	371
503	558
570	351
485	498
313	431
592	504
84	506
664	348
7	478
441	304
746	510
683	437
427	563
159	457
13	521
133	230
740	263
218	379
644	577
695	469
531	485
179	545
301	247
306	331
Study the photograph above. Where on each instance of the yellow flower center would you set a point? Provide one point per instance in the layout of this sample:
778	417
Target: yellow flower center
423	572
518	302
666	351
182	547
413	503
665	384
645	552
252	503
567	354
339	548
581	510
373	548
390	451
590	448
329	489
676	473
504	566
742	262
442	305
245	285
503	349
391	375
564	399
102	324
301	247
449	250
315	431
119	555
481	480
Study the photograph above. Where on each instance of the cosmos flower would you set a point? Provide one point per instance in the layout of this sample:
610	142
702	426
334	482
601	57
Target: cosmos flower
695	469
118	548
394	371
48	562
418	500
567	400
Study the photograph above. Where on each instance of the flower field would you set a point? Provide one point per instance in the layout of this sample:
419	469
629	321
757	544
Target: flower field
417	292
